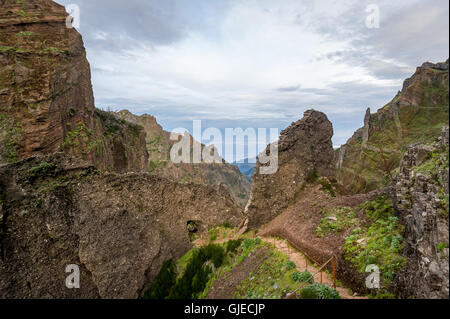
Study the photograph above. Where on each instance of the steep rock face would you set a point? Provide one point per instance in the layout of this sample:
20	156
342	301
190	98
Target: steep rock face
45	86
304	148
159	145
416	114
118	229
421	193
365	137
117	145
46	99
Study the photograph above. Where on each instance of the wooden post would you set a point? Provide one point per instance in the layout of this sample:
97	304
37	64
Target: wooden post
306	262
320	277
334	274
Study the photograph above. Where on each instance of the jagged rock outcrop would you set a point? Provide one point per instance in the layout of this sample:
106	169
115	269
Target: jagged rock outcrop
421	193
365	137
304	148
340	153
46	99
118	228
416	114
159	145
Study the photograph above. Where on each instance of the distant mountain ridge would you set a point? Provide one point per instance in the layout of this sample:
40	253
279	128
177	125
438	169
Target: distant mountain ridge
159	145
371	157
247	167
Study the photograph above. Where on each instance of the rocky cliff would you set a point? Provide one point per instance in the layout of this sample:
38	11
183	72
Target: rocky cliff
371	158
46	99
62	208
305	151
158	147
422	200
119	229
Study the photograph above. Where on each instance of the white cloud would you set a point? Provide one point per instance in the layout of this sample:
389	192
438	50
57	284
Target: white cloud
259	59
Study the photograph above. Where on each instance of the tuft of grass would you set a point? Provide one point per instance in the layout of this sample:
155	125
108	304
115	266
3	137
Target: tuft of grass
26	34
441	246
73	138
42	169
336	220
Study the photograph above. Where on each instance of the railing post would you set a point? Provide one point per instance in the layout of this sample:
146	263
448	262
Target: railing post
334	273
320	277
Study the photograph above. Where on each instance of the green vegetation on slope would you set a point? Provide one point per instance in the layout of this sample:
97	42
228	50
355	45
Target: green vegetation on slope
373	237
393	128
378	242
10	135
337	220
194	275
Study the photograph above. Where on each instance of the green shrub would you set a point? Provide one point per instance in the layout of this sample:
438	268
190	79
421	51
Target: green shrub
441	246
233	245
382	240
215	254
309	293
305	276
212	234
196	274
319	291
327	187
326	292
249	242
166	278
227	225
290	265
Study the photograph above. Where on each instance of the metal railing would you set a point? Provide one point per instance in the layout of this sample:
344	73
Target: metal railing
319	271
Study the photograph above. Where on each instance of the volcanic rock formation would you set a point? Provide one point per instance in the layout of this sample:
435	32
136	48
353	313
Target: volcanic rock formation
371	157
119	229
46	99
158	147
421	193
304	149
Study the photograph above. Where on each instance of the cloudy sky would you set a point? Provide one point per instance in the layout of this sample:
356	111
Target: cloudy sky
257	63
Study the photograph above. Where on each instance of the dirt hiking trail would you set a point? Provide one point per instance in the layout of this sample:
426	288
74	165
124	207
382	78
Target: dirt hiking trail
303	264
